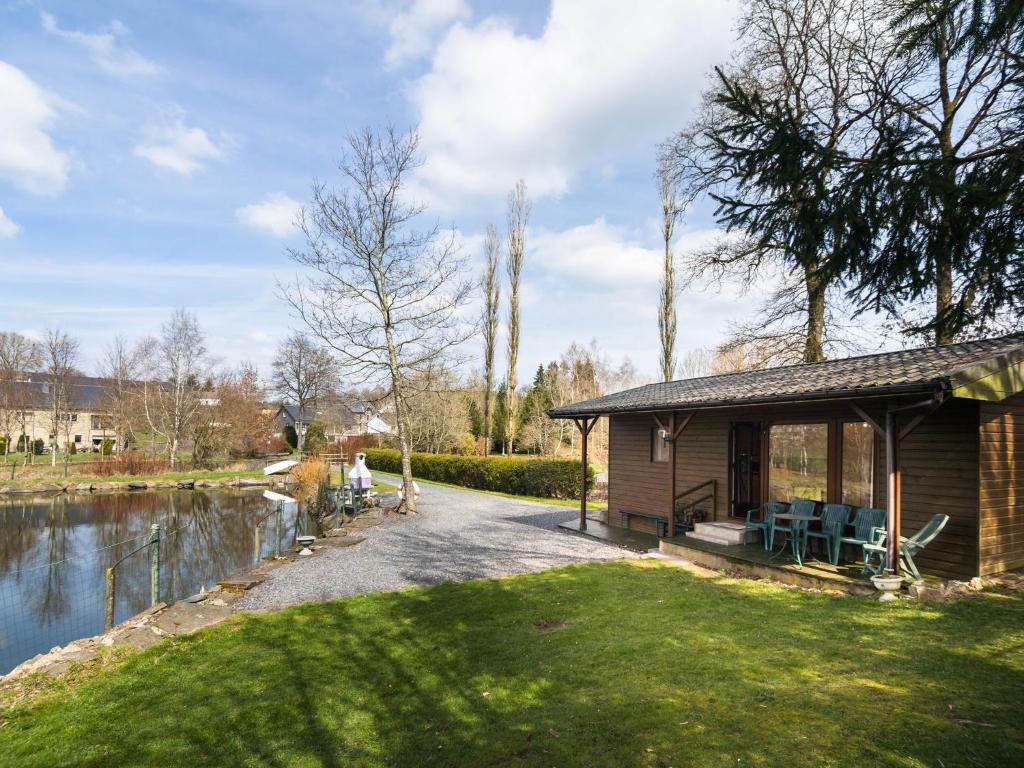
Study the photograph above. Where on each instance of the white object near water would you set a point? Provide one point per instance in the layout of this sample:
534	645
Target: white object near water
275	496
279	467
360	476
305	542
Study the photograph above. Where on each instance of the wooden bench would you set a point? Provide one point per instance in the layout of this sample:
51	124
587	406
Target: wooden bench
658	519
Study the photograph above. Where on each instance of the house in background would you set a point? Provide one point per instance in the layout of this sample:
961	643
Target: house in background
943	426
341	420
85	421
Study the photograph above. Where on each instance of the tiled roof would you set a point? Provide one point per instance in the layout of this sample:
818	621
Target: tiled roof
910	370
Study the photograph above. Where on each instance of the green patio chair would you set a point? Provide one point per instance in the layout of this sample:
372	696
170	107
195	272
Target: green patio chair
834	519
864	523
909	547
767	512
796	507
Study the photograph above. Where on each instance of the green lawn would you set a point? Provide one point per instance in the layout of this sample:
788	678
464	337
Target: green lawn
622	664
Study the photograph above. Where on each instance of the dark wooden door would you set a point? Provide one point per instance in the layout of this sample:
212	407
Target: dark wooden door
745	467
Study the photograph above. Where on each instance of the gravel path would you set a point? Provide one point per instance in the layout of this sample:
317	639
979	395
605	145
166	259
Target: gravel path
457	535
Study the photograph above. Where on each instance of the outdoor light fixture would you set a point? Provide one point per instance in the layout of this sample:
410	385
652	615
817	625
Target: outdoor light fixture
663	434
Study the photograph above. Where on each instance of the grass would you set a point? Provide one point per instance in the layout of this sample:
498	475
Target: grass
574	503
622	664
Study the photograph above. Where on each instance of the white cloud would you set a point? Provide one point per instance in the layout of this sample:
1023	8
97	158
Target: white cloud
7	227
277	215
603	78
27	155
414	32
604	255
106	48
172	144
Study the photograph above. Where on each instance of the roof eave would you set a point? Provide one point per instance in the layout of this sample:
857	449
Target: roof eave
934	387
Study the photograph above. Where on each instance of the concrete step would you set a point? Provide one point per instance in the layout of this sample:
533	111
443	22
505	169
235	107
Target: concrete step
722	532
710	538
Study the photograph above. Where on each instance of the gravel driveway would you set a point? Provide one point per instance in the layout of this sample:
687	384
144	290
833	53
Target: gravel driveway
457	535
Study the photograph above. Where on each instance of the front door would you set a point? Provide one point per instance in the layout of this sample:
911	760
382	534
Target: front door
745	467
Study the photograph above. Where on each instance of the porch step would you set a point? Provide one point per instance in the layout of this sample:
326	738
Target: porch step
725	533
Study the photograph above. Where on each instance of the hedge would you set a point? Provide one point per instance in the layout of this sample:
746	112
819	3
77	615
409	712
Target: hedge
521	476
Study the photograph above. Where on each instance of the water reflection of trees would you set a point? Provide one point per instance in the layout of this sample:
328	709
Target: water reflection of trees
53	553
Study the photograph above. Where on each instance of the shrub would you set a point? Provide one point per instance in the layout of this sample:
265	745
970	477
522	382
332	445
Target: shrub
130	463
38	446
309	474
314	440
3	445
106	447
522	476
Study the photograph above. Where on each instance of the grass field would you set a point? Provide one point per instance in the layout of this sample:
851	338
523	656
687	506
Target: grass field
623	664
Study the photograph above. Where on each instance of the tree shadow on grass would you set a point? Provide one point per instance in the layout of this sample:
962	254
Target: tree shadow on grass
648	666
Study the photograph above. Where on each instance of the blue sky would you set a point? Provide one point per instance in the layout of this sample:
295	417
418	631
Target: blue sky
152	154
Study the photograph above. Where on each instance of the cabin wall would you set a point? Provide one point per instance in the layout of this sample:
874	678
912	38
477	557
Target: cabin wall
939	461
939	475
1001	502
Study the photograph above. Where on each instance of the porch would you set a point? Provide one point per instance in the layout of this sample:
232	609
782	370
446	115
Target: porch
751	560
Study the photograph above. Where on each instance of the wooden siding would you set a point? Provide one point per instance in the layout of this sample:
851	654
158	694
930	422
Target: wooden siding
939	475
1001	467
939	461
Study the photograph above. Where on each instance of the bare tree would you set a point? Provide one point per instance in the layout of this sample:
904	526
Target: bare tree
60	354
696	362
385	295
122	367
172	392
303	373
670	210
491	286
18	356
519	207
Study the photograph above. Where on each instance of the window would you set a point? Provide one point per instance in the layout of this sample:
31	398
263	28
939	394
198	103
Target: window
858	464
797	461
78	438
659	446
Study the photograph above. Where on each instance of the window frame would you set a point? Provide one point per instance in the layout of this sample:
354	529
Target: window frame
872	484
830	463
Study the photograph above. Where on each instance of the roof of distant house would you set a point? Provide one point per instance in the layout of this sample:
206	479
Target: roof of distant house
965	369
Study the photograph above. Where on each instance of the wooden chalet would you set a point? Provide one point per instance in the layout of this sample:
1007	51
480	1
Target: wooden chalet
916	432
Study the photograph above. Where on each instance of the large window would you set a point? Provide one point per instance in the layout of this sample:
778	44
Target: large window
797	461
858	464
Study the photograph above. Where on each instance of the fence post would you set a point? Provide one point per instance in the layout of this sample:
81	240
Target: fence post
277	529
154	564
257	554
108	601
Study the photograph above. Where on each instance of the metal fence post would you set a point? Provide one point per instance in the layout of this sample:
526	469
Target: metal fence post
277	529
154	564
257	554
108	601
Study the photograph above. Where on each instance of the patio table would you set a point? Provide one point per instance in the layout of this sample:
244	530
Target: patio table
797	537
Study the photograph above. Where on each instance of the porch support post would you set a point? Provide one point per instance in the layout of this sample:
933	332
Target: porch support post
673	434
892	494
585	424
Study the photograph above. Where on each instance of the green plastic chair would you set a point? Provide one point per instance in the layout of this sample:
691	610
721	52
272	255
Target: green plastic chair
797	507
908	546
834	519
767	512
864	523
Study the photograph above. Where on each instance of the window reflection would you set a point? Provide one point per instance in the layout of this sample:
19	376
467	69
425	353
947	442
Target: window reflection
858	464
798	461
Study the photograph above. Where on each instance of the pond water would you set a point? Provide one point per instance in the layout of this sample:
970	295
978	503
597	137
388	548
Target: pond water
54	552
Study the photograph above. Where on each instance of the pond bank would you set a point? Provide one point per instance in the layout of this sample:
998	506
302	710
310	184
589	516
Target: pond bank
101	485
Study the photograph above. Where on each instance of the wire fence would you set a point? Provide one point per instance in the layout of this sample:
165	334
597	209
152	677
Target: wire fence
70	566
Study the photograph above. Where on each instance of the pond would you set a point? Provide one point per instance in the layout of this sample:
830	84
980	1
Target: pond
54	552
